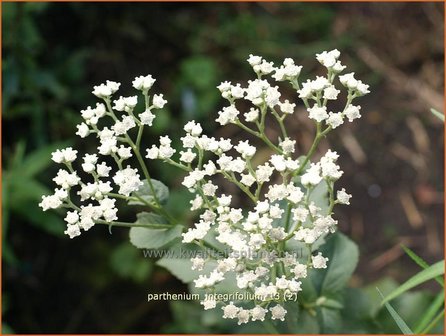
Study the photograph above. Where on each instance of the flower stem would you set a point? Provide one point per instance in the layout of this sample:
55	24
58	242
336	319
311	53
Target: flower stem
130	225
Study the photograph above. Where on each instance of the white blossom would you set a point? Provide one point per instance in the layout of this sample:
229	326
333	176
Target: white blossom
159	101
143	83
319	261
342	197
278	312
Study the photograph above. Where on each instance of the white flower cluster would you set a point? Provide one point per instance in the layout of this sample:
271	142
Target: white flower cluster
256	239
115	144
254	244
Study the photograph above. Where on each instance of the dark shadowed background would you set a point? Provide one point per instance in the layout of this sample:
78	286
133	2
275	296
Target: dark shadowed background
53	54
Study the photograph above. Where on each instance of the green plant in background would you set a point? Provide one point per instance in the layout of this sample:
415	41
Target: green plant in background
432	314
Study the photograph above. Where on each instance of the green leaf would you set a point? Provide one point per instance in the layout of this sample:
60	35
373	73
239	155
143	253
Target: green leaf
423	276
145	192
308	323
420	262
430	313
24	189
343	254
357	314
39	159
128	263
50	222
308	293
331	303
438	114
386	286
398	320
330	320
292	318
152	238
319	196
177	262
187	319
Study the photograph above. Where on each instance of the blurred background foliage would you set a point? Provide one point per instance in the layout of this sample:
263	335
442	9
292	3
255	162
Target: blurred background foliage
53	54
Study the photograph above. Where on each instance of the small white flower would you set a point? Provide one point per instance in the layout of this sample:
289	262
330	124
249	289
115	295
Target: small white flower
83	130
72	217
245	149
209	303
265	67
312	175
146	118
278	312
328	59
152	153
50	202
227	115
193	128
230	310
143	83
209	189
125	103
287	107
198	263
243	316
127	180
319	261
331	93
258	313
252	115
124	152
352	112
187	156
72	231
106	90
247	180
279	162
300	214
159	101
318	113
103	170
254	60
342	197
66	155
348	80
335	119
300	271
288	146
237	91
224	86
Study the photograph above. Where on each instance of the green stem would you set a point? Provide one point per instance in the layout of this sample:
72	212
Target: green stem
280	122
430	312
330	187
143	166
130	225
246	128
231	177
287	224
433	323
319	135
139	136
178	165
